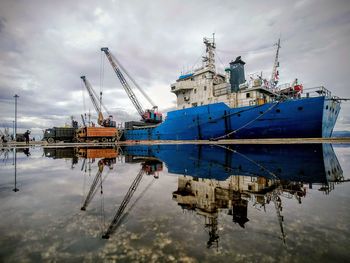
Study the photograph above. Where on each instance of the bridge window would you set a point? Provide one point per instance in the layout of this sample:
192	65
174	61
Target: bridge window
300	108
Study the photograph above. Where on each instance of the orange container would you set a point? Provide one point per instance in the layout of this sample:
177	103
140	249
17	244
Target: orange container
101	153
101	132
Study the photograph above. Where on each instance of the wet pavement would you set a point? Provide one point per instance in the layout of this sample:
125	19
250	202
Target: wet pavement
176	203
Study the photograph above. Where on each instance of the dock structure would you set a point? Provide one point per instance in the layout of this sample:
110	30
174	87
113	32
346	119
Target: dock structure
157	142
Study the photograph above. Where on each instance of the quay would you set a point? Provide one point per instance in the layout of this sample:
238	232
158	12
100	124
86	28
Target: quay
159	142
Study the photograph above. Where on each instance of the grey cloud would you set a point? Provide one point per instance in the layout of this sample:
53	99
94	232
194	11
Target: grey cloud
45	50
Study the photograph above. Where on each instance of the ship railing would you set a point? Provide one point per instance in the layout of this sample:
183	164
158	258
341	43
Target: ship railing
316	92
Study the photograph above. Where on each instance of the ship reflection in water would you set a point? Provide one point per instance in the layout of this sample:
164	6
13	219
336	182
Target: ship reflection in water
218	179
239	201
223	179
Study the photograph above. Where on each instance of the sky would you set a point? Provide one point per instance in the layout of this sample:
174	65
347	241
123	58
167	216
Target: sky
45	46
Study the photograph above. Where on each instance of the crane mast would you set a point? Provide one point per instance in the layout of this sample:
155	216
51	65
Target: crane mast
148	115
97	105
275	73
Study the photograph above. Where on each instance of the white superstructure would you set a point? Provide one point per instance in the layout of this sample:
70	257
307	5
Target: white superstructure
206	86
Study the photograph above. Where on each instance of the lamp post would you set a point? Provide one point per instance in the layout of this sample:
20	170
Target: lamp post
15	157
13	130
16	96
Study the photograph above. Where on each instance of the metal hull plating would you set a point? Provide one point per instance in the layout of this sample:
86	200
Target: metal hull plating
282	162
293	118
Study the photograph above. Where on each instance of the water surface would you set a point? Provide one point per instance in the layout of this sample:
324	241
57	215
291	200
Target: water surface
176	203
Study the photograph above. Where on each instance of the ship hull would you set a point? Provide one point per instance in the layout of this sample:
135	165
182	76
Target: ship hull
294	118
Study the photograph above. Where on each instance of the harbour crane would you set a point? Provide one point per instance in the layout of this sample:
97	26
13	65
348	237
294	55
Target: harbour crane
94	99
148	115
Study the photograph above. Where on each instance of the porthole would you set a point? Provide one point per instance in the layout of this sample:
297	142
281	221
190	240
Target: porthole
261	112
278	110
239	115
300	108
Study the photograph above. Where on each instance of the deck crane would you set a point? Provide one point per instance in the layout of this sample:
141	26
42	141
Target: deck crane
148	115
94	99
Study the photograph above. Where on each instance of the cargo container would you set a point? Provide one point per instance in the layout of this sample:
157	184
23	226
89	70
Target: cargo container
97	153
101	134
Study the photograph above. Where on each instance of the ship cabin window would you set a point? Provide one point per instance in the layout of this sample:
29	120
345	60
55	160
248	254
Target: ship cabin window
194	104
327	107
205	87
195	91
183	107
202	103
247	95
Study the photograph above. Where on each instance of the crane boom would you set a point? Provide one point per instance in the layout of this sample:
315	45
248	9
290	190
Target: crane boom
146	115
91	94
125	84
135	83
97	104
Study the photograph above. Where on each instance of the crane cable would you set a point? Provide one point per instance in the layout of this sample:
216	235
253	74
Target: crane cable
102	69
133	81
83	95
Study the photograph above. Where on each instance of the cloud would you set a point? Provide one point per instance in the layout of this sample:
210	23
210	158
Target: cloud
45	50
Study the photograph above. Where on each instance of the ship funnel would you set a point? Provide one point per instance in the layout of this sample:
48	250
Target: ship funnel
237	74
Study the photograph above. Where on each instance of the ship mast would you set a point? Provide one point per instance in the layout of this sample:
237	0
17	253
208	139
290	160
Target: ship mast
209	59
274	74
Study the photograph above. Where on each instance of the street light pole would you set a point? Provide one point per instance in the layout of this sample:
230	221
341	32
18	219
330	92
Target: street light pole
16	96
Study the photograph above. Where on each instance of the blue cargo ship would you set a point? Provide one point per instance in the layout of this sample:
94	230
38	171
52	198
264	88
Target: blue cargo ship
214	106
272	161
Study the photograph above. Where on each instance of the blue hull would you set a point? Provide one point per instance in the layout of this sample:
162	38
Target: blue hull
294	118
282	162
